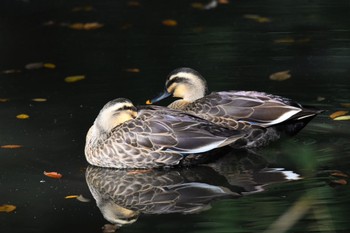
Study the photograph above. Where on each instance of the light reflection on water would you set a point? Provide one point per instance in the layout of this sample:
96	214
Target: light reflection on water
230	51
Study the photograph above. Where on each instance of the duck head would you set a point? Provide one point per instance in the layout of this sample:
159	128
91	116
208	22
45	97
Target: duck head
114	113
184	83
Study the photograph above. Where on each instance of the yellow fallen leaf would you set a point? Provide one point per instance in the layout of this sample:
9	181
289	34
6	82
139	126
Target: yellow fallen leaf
280	76
133	70
75	78
148	102
22	116
338	114
11	146
342	118
71	196
39	99
7	208
3	100
169	22
49	66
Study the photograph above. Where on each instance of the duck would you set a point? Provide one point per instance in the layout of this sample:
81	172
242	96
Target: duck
149	136
278	115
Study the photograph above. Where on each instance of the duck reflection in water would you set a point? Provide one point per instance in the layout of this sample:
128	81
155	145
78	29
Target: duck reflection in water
122	195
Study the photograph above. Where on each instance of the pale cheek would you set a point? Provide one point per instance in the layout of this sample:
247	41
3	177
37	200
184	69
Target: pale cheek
180	91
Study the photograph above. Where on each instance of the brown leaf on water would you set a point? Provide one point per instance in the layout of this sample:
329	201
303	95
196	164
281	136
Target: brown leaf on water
85	26
223	1
345	105
280	76
339	173
342	118
7	208
133	70
110	228
3	100
169	23
338	114
83	8
340	181
12	71
34	66
11	146
134	4
54	175
22	116
257	18
75	78
39	99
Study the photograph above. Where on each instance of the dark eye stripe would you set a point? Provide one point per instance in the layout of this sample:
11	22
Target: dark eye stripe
132	108
177	79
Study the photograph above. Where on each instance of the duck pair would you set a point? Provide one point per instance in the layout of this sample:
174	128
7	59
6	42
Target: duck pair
149	136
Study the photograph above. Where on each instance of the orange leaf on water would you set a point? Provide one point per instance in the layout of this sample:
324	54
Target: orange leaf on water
148	102
169	22
7	208
338	114
53	175
71	196
280	76
11	146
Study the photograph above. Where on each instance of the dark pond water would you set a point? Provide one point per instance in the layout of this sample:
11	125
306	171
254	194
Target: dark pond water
235	46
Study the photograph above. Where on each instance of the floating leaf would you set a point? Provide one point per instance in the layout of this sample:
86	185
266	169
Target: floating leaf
82	199
71	196
280	76
320	98
7	208
339	173
133	70
345	105
83	8
33	66
75	78
85	26
286	40
134	4
53	175
3	100
22	116
39	99
49	66
148	102
11	146
198	5
13	71
169	22
342	118
337	114
340	181
257	18
223	1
